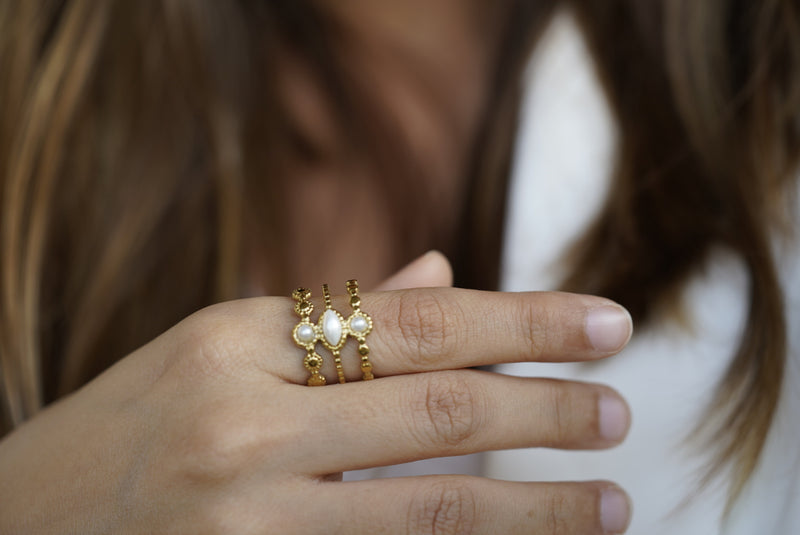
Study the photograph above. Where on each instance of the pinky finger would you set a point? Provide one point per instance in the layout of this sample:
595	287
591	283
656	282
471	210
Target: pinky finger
469	505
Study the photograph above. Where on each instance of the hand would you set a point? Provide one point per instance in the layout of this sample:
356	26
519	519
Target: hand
210	429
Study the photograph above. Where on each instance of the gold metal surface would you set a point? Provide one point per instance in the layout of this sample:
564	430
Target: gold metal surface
313	360
361	335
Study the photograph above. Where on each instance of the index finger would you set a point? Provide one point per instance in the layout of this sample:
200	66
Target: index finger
429	329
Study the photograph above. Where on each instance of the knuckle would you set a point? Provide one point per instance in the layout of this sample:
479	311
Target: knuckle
566	508
534	329
446	411
207	341
558	515
424	325
444	508
562	421
591	414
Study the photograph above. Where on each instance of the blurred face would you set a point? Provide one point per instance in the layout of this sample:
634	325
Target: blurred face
423	67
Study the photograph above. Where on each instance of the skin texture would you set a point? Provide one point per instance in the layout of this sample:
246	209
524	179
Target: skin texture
207	429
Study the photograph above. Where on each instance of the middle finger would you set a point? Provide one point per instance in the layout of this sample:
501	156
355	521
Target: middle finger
401	419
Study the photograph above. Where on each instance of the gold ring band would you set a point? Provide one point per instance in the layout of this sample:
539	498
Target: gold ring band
333	335
360	324
305	335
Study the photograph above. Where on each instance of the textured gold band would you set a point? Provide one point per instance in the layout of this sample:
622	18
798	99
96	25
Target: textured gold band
304	334
360	324
333	337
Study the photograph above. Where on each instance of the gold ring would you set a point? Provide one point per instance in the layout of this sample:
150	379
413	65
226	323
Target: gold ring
359	325
305	335
331	323
331	331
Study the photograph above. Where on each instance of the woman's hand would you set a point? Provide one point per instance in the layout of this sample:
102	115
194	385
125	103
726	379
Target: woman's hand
211	429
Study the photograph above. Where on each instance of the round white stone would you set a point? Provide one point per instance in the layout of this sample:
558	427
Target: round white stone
331	327
305	333
358	324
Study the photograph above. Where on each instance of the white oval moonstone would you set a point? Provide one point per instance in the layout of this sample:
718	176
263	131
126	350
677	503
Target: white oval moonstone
305	333
331	327
359	324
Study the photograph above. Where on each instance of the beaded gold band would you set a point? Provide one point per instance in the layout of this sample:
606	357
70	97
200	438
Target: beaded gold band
360	325
305	335
333	336
331	331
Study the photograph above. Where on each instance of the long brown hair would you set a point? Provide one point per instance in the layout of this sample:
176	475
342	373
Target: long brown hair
707	99
709	167
137	140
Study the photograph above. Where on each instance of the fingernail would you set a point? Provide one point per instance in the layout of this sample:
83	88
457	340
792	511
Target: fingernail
609	328
613	418
614	511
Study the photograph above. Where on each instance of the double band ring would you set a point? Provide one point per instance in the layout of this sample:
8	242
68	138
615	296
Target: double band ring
331	330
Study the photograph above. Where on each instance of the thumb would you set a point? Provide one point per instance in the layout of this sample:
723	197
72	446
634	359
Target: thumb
430	269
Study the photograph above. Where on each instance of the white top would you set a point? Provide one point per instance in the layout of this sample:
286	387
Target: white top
667	373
